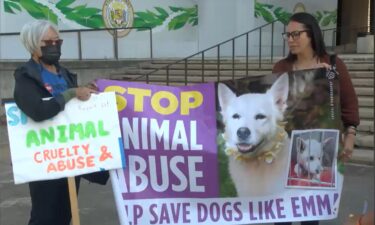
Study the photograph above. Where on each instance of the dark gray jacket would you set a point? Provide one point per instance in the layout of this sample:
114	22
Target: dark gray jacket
32	97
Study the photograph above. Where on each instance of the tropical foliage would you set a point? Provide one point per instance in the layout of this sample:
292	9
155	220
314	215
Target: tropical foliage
42	9
271	12
326	18
173	17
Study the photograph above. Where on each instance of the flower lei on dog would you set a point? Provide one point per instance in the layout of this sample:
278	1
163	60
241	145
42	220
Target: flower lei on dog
273	148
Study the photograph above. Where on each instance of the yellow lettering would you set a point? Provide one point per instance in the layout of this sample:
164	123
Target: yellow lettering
139	95
171	108
120	100
186	104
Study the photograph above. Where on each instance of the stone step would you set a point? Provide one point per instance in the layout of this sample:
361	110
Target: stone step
366	101
364	91
365	140
227	74
240	65
366	126
347	59
363	156
211	66
367	82
366	113
361	74
174	72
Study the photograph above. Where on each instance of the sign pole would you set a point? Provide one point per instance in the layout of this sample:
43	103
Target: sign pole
73	200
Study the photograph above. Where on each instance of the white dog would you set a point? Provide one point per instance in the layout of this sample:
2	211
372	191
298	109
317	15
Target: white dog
256	143
309	158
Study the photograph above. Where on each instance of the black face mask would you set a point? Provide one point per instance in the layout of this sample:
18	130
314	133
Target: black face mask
50	54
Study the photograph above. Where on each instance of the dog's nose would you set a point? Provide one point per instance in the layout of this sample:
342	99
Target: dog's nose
243	133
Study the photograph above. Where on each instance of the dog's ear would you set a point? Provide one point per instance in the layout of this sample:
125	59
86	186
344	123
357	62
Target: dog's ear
279	91
301	145
327	140
225	95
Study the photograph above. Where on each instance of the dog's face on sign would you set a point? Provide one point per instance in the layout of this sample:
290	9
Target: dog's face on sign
251	119
310	154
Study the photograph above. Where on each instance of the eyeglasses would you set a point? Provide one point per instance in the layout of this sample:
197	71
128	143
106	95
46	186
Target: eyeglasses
53	42
294	34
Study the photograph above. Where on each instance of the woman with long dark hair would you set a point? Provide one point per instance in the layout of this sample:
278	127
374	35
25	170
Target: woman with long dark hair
307	51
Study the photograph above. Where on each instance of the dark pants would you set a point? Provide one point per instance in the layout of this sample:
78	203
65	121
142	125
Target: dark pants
302	223
50	202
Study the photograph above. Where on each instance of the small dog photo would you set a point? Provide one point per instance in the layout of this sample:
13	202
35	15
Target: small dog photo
312	161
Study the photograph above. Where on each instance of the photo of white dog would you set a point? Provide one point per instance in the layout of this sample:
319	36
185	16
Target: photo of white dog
313	158
309	158
255	139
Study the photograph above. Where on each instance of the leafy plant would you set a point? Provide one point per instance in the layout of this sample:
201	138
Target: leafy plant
91	17
326	18
42	9
150	19
227	188
188	15
177	18
270	13
10	6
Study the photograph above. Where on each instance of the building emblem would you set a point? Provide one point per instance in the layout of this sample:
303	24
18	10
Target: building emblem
118	14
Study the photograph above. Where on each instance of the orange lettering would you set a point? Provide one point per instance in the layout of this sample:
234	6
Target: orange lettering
61	153
86	148
90	161
80	162
70	164
61	165
36	158
46	155
51	168
105	155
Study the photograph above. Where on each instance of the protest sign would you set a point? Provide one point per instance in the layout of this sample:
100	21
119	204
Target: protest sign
83	138
256	150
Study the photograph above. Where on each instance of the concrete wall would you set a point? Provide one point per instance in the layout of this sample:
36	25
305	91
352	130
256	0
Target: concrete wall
87	71
220	20
167	42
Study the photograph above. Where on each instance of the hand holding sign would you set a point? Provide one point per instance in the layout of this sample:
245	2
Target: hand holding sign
84	138
84	93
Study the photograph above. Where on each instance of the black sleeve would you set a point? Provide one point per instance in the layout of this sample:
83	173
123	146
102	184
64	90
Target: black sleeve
70	77
30	98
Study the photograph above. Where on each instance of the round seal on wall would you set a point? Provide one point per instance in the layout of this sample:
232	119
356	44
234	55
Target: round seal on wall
299	7
118	14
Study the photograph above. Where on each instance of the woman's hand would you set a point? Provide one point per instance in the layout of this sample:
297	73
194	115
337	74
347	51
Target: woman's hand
84	93
325	65
347	153
92	85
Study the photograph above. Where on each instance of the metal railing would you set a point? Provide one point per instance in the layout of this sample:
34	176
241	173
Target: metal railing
202	54
112	31
218	50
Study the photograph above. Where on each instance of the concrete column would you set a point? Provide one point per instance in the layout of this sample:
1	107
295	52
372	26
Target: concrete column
216	22
220	20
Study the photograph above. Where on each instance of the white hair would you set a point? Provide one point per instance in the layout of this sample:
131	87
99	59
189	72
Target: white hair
32	33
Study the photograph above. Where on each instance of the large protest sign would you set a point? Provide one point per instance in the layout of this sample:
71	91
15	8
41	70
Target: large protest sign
83	138
265	152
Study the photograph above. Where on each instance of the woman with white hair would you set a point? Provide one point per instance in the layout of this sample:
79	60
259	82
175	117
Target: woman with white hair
42	88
